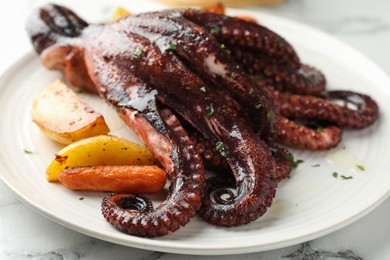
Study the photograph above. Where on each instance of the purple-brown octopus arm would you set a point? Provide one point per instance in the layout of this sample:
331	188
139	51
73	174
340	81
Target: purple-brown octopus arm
341	108
239	33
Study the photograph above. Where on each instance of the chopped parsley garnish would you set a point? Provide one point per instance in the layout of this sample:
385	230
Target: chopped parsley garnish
290	157
220	147
234	75
28	151
258	106
316	165
223	46
217	28
81	198
320	129
269	116
343	177
203	89
361	167
137	52
297	162
173	46
211	110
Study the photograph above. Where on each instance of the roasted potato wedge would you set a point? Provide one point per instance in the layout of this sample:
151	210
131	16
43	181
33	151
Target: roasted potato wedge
99	151
119	13
63	116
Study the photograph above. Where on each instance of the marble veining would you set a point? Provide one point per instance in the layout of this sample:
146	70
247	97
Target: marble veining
307	252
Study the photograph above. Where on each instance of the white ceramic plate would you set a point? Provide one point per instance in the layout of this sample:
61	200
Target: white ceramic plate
308	205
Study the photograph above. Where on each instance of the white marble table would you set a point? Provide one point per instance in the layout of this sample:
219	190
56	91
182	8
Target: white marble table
25	234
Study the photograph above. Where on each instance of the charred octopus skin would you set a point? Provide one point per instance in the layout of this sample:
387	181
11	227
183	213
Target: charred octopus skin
298	89
142	66
188	82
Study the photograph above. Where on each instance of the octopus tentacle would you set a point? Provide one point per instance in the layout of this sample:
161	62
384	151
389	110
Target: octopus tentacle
276	73
359	110
261	52
208	60
240	33
254	182
284	162
124	212
296	135
52	30
51	24
356	110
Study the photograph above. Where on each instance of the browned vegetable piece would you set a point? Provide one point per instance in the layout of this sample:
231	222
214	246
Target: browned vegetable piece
128	178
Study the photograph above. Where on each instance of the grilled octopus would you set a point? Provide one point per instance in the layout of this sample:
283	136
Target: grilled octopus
184	80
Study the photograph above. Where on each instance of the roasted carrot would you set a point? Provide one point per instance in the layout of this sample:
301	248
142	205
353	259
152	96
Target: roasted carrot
247	18
218	8
128	178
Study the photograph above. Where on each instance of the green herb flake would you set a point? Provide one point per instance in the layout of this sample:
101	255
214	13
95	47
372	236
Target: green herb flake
346	177
316	165
28	151
335	174
258	106
269	116
297	162
290	157
203	89
217	28
223	46
211	110
234	75
320	129
81	198
137	52
223	154
361	167
237	66
220	147
173	46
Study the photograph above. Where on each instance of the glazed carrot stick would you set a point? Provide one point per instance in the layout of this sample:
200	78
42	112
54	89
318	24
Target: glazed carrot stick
218	8
128	178
247	18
